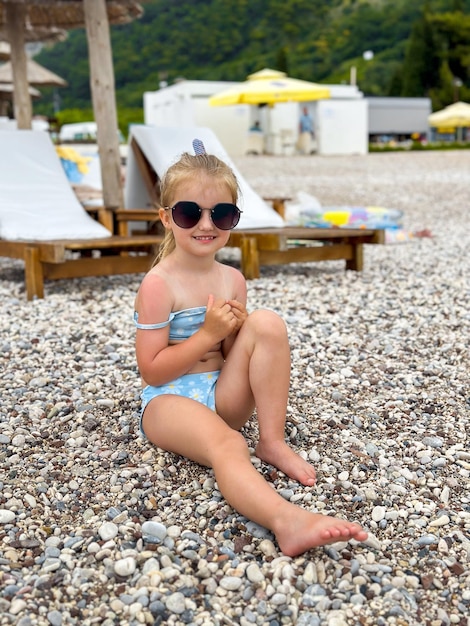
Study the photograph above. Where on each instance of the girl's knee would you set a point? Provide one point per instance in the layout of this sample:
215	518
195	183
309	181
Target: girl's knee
233	443
236	439
266	322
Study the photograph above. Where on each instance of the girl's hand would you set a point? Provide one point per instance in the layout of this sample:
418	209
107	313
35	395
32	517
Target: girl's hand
240	313
221	320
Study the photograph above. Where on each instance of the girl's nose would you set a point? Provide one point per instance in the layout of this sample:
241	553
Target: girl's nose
205	221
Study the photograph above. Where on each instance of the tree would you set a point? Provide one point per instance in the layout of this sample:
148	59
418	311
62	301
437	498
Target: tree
421	64
453	34
443	93
281	60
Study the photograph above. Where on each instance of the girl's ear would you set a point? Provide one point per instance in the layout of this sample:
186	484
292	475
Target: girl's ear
165	217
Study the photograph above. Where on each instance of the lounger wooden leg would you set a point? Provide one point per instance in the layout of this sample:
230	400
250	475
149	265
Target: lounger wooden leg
279	206
105	217
357	262
33	274
250	257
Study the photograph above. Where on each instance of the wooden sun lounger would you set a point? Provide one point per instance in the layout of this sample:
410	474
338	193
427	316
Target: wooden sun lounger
278	246
53	260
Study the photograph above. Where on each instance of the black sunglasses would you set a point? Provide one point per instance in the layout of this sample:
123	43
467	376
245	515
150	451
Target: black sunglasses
186	214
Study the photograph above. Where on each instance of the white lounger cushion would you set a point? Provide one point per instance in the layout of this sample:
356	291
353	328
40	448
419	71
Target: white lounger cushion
36	199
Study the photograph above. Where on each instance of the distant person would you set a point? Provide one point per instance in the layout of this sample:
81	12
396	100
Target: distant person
255	139
256	127
306	132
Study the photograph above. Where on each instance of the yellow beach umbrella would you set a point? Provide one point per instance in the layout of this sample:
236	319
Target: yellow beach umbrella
270	87
453	116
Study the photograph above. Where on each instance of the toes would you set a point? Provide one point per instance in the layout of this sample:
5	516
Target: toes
332	533
343	531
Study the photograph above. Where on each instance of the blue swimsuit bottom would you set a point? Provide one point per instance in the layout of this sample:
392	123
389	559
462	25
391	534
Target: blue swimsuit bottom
199	387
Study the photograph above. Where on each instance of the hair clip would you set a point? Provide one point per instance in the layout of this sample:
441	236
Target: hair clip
198	147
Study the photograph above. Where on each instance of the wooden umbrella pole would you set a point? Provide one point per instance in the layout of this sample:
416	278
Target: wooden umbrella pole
104	100
15	24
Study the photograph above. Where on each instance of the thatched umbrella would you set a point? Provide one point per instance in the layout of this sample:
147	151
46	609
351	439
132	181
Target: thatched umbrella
6	89
36	74
6	96
20	18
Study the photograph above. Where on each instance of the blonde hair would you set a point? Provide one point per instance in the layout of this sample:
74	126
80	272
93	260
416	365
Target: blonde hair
187	168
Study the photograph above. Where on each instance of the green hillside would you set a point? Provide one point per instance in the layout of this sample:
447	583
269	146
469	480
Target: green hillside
418	47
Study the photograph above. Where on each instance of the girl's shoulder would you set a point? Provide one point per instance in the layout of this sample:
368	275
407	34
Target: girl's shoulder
235	280
234	273
156	278
154	286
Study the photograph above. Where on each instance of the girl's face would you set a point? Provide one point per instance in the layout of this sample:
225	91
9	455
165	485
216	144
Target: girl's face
204	238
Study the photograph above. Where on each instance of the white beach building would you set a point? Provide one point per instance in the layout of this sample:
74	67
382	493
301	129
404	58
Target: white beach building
341	122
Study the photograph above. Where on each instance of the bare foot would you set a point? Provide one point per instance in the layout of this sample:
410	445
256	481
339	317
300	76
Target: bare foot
280	455
304	530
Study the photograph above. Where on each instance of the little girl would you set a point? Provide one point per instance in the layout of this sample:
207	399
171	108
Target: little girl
206	364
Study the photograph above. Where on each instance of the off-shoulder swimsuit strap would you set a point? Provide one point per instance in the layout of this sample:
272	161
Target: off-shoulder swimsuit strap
182	323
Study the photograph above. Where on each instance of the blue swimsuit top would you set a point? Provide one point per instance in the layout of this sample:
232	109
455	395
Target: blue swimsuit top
182	323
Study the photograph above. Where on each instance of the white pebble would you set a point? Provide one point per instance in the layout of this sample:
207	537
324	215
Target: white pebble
17	605
378	513
154	529
267	547
19	441
106	402
108	531
443	520
254	573
445	494
6	516
176	603
30	500
231	583
125	567
314	455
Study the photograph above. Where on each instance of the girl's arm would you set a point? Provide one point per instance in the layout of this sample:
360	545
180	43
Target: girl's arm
238	304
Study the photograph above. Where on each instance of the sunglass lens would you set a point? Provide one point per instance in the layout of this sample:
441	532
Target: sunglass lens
186	214
225	215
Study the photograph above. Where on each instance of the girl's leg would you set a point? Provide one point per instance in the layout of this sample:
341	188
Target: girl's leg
257	372
188	428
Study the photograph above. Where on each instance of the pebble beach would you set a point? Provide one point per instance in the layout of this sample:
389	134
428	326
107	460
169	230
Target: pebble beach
97	526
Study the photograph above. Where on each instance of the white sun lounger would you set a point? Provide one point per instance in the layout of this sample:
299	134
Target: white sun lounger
163	146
